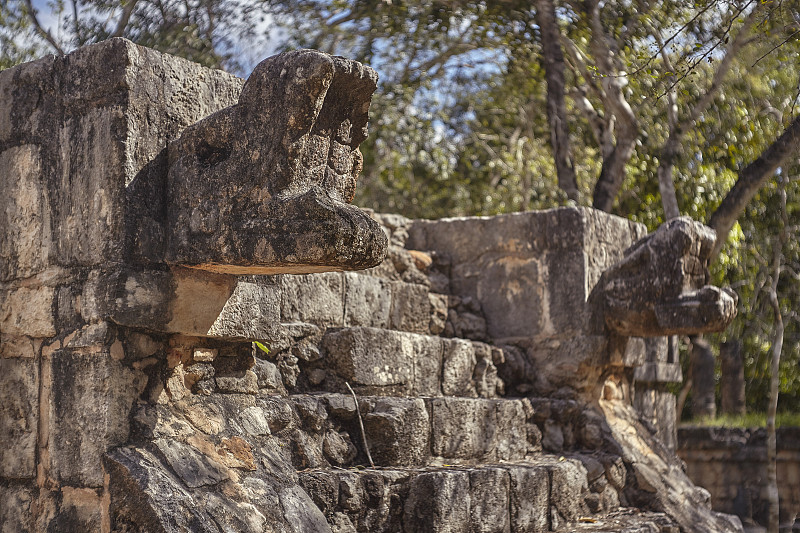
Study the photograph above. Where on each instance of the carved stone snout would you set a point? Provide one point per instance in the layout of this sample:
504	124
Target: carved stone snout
659	288
263	186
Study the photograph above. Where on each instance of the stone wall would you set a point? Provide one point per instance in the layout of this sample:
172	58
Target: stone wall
732	464
78	136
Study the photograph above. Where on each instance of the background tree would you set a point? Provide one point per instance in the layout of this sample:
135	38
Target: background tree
646	109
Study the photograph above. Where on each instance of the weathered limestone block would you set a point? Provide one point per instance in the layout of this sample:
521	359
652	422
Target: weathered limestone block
84	138
186	301
458	366
318	299
411	308
262	186
91	395
477	429
530	498
19	417
489	500
377	359
25	243
367	301
398	431
438	502
15	513
659	288
568	486
27	311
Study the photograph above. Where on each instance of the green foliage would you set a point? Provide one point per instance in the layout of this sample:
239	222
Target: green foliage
261	347
750	420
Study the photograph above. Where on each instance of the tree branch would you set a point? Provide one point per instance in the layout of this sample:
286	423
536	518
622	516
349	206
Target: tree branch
122	23
612	173
669	151
751	179
45	34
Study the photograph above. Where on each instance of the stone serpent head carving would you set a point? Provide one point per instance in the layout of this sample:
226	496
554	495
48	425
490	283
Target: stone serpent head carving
660	286
263	186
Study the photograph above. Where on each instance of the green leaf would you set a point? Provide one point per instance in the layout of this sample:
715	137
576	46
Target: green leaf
261	347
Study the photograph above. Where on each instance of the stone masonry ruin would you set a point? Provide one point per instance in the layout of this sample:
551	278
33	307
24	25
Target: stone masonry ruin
158	219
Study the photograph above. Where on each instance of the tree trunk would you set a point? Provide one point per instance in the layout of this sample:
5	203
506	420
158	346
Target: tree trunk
772	408
556	109
774	382
703	402
617	110
751	179
732	378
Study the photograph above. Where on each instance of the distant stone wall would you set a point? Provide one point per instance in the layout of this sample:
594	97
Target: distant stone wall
731	463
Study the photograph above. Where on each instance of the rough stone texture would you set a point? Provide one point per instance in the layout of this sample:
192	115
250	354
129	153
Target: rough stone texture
660	483
399	430
367	301
15	513
95	124
659	288
438	502
261	187
730	463
532	272
374	359
92	395
19	417
530	498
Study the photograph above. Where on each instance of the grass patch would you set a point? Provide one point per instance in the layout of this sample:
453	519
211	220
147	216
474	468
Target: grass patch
750	420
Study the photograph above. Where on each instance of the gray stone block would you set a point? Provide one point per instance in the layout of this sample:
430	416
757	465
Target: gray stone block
91	396
568	486
16	512
530	498
367	301
25	240
398	431
411	308
111	108
438	502
458	365
489	500
397	361
478	429
19	417
315	298
28	311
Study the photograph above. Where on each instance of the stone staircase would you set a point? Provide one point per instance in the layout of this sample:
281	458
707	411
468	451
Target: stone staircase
258	441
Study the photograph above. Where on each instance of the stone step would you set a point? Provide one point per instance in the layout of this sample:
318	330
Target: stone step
623	520
344	299
542	494
391	363
421	431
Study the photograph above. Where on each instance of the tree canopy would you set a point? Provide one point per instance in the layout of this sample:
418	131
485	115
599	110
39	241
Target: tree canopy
645	109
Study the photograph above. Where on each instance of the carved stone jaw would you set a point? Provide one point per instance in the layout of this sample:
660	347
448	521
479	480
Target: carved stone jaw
659	288
263	186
